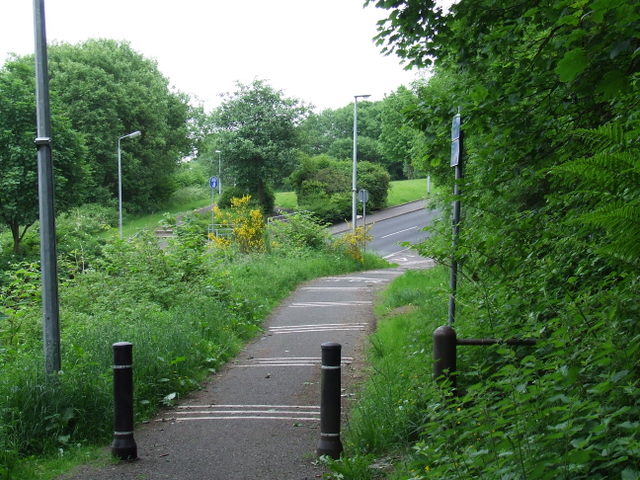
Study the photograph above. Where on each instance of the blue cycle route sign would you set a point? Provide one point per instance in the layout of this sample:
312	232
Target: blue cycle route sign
213	182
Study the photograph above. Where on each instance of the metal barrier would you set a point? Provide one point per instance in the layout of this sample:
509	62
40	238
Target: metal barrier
445	344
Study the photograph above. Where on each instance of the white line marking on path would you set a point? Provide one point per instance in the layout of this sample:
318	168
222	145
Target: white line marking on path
214	405
396	253
299	419
248	412
287	362
351	289
350	303
323	327
354	279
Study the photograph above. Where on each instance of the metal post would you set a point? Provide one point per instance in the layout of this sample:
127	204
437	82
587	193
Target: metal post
119	188
123	446
354	172
219	173
364	213
48	255
330	385
444	354
456	162
428	184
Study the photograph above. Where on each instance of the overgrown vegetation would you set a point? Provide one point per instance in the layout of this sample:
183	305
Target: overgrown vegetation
323	186
186	309
548	246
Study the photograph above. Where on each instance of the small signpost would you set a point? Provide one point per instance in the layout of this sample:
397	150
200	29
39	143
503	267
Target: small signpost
213	184
363	196
456	162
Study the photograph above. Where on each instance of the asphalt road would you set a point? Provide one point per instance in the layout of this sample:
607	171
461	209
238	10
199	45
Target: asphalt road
390	233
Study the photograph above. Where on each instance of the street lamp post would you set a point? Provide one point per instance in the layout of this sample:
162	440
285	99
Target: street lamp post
137	133
219	172
355	161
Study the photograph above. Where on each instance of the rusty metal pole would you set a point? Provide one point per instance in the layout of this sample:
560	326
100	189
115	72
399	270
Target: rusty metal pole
330	386
124	446
444	355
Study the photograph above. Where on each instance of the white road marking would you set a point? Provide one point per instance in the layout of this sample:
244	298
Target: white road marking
396	253
215	405
399	231
333	288
287	362
248	412
354	279
298	419
349	303
323	327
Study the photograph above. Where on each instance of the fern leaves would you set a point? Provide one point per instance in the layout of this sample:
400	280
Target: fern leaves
611	177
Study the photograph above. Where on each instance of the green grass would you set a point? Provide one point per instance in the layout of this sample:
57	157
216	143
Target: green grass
286	200
185	313
388	413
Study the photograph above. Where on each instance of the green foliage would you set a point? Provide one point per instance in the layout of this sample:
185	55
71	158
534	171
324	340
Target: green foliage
268	201
548	240
186	311
297	233
323	186
109	90
18	166
256	134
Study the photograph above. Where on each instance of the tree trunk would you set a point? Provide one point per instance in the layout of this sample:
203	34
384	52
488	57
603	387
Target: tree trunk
15	233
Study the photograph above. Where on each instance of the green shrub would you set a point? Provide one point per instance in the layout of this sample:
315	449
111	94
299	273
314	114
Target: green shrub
323	186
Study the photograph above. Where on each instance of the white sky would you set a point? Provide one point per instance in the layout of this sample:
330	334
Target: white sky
320	51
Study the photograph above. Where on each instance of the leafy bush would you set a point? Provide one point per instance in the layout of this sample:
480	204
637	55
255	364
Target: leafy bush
237	192
298	232
323	186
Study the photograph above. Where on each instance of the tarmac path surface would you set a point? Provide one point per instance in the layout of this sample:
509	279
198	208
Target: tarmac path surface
258	418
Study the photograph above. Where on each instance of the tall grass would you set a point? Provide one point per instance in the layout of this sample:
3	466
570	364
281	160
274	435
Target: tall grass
390	411
186	310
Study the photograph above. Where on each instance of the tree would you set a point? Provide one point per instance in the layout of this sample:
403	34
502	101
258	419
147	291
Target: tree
18	165
256	133
109	90
549	97
400	142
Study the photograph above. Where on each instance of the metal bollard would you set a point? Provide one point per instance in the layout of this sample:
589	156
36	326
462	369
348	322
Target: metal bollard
444	354
123	446
330	385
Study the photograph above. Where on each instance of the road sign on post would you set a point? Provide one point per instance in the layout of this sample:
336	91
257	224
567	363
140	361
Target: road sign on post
456	161
455	141
363	195
213	182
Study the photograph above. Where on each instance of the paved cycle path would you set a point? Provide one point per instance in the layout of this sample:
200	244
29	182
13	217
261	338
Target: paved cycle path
258	418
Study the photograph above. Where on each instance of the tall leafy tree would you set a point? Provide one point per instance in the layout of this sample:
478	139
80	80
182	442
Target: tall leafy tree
18	160
257	135
109	90
549	97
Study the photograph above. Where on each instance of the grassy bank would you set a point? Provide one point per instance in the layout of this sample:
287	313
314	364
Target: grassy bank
187	309
564	408
400	191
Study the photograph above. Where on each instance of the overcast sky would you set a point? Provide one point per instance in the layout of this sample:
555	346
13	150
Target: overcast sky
320	51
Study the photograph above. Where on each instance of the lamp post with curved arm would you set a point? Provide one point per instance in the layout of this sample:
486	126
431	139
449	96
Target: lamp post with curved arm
137	133
355	161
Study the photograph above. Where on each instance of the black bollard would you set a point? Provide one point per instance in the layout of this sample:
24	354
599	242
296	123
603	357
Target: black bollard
123	446
444	354
330	385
